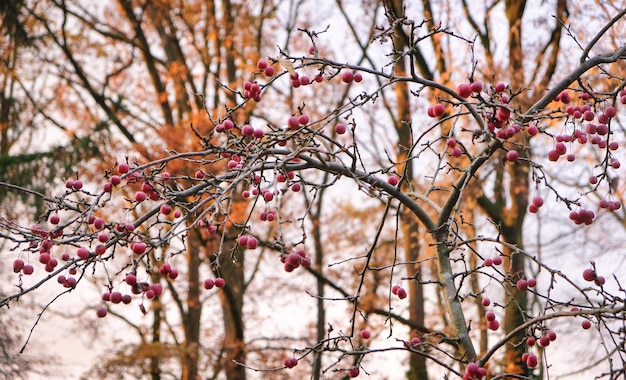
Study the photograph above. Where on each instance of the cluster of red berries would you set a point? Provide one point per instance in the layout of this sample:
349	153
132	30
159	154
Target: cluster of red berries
535	204
252	90
209	283
591	276
248	242
293	260
399	291
582	216
474	372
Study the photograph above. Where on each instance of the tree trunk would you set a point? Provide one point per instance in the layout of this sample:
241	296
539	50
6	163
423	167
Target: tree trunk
192	319
410	226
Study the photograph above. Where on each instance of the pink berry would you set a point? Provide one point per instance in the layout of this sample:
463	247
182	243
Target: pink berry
393	180
532	360
500	87
209	283
476	87
521	284
439	109
347	76
531	282
269	71
394	289
290	362
589	274
354	372
247	130
293	122
303	119
493	325
261	64
140	196
82	253
219	282
18	265
544	341
101	312
486	301
123	168
532	130
402	293
512	156
586	324
28	269
365	334
464	90
497	260
340	129
488	262
490	316
138	248
165	209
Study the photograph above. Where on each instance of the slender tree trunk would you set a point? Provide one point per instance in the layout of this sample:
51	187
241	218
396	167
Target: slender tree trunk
410	226
194	309
513	221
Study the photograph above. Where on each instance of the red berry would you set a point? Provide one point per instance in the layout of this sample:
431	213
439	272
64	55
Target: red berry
303	119
365	334
512	156
28	269
219	282
493	325
290	362
464	90
394	289
476	87
589	274
544	341
490	316
497	260
340	129
138	248
522	284
165	209
393	180
439	109
486	301
209	283
82	253
347	76
531	360
18	265
402	293
123	168
500	87
130	279
354	372
140	196
101	312
358	77
252	243
586	324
